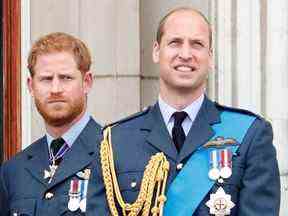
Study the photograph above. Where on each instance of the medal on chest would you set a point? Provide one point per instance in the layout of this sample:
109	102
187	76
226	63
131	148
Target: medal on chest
220	203
220	169
78	191
54	161
74	195
50	173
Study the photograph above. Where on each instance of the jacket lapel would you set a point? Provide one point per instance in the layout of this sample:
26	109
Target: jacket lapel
159	136
82	152
201	130
37	160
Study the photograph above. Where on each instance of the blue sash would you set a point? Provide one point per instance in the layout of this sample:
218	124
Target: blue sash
192	184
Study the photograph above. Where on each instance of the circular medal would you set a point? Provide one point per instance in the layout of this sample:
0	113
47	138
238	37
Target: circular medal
226	172
214	174
73	204
83	205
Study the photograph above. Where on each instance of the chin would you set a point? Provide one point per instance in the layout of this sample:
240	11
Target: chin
56	117
187	87
59	120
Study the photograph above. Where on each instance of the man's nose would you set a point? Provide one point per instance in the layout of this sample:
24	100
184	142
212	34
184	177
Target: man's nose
185	53
56	86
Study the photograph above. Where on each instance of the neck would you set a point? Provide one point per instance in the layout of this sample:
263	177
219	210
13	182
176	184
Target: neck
180	99
58	131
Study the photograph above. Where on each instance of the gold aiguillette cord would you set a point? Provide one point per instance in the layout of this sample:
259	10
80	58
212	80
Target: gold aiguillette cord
152	186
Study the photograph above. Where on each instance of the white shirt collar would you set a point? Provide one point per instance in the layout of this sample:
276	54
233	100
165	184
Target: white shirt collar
192	109
71	135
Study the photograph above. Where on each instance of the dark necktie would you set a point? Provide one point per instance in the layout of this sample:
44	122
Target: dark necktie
58	148
178	134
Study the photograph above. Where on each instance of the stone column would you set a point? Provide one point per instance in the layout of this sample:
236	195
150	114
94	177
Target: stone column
247	81
220	83
277	86
251	66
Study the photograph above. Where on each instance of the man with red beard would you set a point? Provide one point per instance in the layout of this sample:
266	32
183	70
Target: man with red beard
59	173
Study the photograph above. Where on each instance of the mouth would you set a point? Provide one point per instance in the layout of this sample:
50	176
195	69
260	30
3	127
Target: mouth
185	68
56	101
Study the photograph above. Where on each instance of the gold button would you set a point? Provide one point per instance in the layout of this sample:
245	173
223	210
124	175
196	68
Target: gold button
179	166
133	184
49	195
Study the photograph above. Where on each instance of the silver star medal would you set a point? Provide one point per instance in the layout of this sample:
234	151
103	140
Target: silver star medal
220	203
49	174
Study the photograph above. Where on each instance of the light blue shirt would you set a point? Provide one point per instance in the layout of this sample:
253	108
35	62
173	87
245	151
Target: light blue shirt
71	135
192	111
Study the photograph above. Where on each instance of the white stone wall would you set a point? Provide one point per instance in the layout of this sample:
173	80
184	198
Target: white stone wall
111	30
251	39
250	52
276	84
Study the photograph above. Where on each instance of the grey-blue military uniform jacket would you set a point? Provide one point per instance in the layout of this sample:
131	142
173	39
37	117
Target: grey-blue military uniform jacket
254	185
23	189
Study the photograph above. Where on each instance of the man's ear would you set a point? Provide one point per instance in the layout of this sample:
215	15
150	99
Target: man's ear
211	60
87	81
30	85
155	52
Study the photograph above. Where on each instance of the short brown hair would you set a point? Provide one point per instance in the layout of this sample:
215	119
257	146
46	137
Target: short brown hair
59	42
160	29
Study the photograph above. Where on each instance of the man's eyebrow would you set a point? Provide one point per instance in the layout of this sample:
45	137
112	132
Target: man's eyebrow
175	38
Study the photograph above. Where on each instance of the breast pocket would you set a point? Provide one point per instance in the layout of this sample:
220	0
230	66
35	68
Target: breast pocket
23	207
130	183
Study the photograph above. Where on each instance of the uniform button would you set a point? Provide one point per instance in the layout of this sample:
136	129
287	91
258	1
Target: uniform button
49	195
179	166
133	184
220	180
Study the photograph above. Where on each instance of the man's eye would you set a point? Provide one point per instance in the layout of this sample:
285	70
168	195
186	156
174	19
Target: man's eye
173	42
198	44
67	78
45	78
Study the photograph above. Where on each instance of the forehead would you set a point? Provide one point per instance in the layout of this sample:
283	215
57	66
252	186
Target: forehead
55	59
186	23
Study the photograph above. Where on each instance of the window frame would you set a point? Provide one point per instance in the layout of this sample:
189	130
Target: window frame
11	22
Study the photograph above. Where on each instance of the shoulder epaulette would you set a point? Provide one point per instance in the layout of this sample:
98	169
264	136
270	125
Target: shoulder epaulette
133	116
239	110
